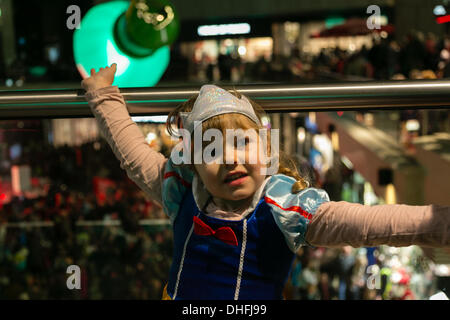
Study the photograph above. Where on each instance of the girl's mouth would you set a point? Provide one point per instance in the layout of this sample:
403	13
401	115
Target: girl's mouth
236	179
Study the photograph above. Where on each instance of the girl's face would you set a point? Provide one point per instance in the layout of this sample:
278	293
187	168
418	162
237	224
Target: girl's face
237	178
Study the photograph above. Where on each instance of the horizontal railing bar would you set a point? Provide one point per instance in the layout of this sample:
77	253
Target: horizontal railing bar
411	94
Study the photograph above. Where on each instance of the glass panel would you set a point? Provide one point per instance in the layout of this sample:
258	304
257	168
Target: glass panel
65	200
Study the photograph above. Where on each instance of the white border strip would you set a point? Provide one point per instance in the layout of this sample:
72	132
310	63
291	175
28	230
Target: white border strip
182	261
241	260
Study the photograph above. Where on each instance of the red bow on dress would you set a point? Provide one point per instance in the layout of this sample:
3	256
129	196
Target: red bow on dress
225	234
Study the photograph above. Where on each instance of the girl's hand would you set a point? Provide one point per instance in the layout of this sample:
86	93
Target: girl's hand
101	79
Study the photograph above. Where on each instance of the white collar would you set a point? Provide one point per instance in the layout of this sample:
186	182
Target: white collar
201	196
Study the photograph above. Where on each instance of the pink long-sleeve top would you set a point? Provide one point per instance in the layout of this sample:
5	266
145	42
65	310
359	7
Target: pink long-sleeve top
334	224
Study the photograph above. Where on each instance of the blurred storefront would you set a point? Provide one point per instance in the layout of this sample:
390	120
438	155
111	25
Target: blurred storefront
411	177
380	160
220	49
334	172
225	59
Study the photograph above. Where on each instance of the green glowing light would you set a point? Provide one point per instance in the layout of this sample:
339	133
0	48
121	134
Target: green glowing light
95	47
330	22
38	71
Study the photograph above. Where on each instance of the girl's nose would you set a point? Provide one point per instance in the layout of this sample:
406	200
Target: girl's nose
235	156
230	155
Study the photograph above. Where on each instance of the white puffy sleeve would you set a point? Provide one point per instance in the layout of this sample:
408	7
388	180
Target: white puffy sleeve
176	181
293	212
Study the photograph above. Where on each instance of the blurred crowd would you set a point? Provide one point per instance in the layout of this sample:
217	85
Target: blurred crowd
380	273
126	261
417	56
376	273
131	260
115	264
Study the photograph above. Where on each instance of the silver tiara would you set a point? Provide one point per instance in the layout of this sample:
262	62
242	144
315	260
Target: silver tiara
213	101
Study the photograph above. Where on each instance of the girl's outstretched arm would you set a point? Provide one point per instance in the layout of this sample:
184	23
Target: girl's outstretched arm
337	224
143	165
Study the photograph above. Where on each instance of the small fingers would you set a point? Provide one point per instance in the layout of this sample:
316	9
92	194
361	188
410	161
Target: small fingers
113	66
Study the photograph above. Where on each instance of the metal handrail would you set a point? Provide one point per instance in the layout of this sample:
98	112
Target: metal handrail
410	94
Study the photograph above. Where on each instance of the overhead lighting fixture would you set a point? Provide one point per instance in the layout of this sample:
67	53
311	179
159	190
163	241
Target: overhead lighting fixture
154	119
242	50
439	10
301	134
412	125
346	161
223	29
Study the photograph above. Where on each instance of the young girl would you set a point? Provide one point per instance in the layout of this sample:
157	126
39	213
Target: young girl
236	230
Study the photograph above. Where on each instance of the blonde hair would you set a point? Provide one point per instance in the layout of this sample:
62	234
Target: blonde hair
286	164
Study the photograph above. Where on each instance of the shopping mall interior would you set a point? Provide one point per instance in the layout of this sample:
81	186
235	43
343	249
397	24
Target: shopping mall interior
65	198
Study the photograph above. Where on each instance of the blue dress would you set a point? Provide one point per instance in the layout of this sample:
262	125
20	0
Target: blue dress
205	267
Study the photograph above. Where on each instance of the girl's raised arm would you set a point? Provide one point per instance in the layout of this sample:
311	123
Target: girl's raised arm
143	165
338	224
